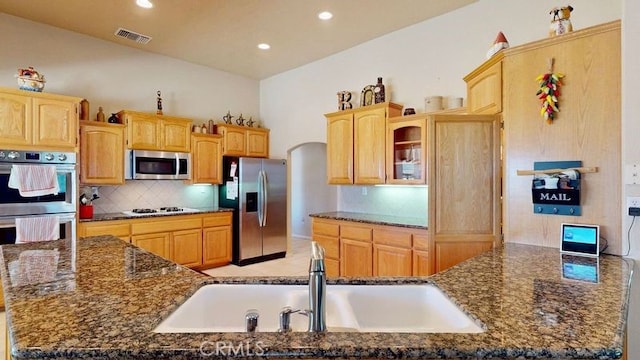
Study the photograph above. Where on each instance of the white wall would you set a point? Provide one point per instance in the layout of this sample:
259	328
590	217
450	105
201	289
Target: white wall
118	77
631	152
309	186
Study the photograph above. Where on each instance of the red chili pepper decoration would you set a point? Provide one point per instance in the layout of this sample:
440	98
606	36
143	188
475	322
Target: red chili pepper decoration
549	93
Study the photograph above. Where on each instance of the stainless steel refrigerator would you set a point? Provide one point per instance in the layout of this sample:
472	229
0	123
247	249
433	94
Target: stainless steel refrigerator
257	191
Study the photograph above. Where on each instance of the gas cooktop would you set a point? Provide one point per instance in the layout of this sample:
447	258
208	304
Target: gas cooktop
159	211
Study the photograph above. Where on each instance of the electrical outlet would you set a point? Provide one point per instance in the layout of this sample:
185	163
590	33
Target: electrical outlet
94	191
633	202
364	190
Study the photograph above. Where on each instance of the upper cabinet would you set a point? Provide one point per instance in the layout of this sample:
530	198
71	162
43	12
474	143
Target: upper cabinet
206	153
244	141
146	131
101	153
31	120
406	149
484	87
356	144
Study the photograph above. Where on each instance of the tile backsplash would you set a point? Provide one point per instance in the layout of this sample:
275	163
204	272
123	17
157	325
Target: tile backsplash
152	194
409	201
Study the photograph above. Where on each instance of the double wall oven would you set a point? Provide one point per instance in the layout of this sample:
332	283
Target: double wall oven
63	204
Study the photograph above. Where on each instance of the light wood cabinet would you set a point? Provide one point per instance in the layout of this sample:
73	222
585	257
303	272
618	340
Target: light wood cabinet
198	241
243	140
327	234
169	234
361	249
340	148
117	228
392	255
146	131
423	264
257	142
206	155
406	149
216	240
101	153
187	247
41	120
484	87
356	144
156	243
356	250
463	200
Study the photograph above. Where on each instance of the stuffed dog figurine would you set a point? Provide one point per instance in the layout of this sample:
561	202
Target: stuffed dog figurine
560	22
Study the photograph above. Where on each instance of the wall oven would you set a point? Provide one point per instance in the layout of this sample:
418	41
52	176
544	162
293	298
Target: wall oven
157	165
12	204
67	228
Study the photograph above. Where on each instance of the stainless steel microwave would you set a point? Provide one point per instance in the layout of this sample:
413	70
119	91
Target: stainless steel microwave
157	165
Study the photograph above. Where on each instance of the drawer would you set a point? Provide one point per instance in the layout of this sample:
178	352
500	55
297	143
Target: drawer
164	225
106	229
217	220
355	232
421	241
331	246
397	238
325	228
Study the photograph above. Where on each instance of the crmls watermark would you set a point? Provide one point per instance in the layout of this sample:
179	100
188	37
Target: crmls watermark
228	348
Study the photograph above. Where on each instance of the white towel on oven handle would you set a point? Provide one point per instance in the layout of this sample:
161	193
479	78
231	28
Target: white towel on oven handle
34	180
41	228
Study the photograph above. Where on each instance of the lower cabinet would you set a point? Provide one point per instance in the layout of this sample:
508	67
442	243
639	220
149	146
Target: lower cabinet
186	246
354	249
159	244
327	234
216	240
199	241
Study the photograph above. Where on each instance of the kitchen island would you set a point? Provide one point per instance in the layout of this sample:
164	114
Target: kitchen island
105	302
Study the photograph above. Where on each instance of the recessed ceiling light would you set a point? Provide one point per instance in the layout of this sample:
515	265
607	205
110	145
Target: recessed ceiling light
264	46
325	15
144	4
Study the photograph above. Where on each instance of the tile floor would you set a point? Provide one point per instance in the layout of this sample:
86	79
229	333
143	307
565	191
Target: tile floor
296	263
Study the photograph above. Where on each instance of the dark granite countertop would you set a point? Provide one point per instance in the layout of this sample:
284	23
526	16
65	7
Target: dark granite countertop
122	216
106	302
402	221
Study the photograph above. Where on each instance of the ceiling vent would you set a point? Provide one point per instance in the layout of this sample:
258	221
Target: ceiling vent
132	35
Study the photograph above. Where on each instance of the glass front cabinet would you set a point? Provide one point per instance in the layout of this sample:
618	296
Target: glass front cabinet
406	149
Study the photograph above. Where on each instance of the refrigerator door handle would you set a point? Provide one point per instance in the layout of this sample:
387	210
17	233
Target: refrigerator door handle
265	197
260	198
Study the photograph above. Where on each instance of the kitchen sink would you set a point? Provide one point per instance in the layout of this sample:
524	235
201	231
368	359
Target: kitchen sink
222	308
422	308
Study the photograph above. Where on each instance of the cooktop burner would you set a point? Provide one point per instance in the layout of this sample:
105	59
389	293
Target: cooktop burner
144	211
159	211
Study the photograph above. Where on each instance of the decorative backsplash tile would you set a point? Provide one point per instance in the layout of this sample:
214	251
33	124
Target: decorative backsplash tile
152	194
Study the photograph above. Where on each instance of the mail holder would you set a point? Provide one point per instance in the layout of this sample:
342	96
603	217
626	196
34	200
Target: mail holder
555	188
557	201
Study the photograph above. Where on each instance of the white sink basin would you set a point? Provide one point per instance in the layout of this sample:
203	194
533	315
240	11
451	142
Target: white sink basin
365	308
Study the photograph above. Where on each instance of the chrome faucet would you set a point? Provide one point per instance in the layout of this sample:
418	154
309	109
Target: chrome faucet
317	290
317	311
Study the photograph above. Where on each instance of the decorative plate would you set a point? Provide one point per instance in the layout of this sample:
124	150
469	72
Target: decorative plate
367	97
